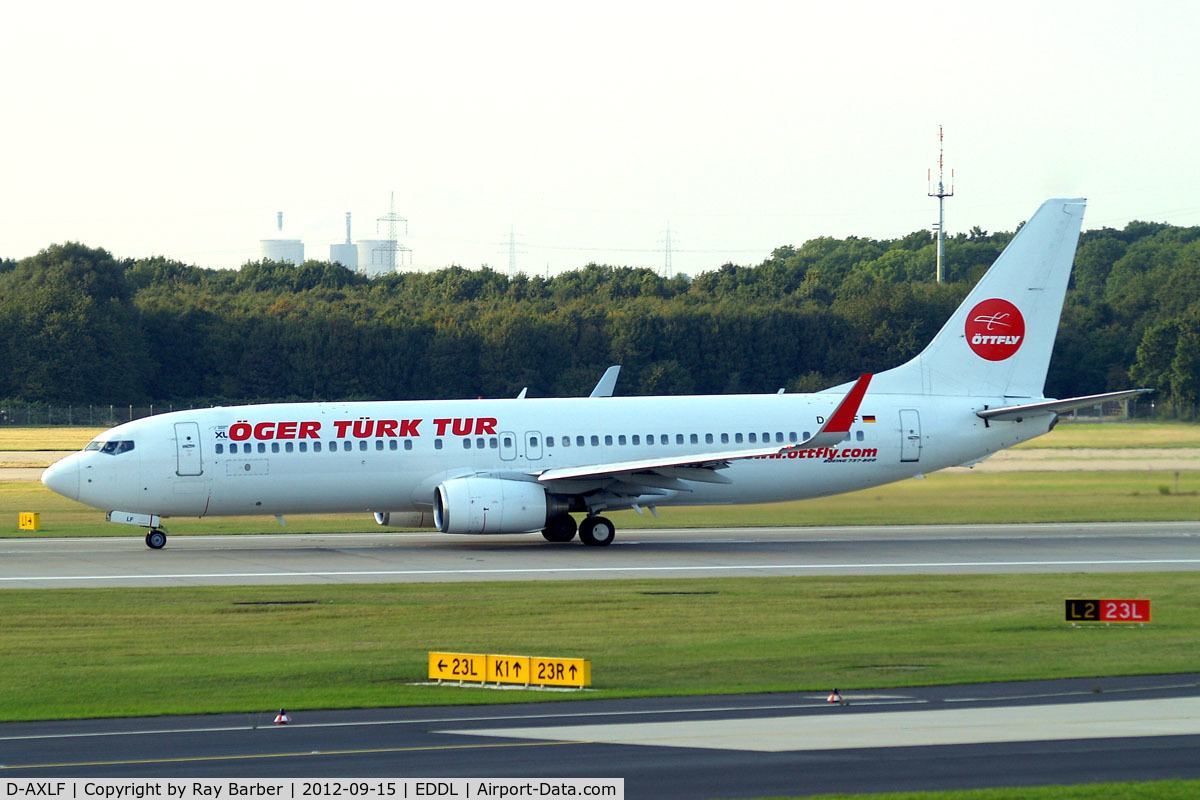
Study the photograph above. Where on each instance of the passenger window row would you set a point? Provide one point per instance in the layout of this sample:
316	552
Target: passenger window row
635	440
492	443
303	447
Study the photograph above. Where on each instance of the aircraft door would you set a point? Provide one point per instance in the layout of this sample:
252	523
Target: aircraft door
533	445
508	445
910	435
187	449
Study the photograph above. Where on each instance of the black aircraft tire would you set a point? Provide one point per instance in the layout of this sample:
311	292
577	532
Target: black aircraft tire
155	540
560	529
597	531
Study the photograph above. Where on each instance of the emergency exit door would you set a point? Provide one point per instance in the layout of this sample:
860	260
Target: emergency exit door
187	449
910	435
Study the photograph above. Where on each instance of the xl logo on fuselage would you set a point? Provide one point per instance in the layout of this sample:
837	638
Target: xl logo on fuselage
995	329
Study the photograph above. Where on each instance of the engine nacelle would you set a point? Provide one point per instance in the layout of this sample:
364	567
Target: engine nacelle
491	505
404	519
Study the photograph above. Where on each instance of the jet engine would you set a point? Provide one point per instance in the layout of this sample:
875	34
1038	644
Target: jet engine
493	505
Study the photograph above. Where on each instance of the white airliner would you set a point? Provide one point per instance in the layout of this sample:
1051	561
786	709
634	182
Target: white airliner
525	465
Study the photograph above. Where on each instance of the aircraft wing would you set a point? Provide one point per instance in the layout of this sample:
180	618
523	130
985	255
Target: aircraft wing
1054	406
666	471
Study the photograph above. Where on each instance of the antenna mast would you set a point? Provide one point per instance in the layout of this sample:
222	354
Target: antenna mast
941	194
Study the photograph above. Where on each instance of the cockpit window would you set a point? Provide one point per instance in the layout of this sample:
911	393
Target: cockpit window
93	446
113	447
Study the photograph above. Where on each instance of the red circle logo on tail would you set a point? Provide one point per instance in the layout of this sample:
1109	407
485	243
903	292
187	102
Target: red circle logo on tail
995	329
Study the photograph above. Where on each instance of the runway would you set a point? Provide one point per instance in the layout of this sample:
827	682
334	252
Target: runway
1016	734
426	557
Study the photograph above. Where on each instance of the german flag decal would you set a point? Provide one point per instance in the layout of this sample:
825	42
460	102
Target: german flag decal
868	418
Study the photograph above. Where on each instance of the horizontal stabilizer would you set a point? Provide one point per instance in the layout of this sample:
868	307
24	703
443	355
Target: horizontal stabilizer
1055	406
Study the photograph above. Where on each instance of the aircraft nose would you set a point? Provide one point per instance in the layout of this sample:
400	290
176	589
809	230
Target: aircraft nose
63	477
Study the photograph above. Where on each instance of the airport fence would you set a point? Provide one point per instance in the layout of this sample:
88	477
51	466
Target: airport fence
108	415
30	415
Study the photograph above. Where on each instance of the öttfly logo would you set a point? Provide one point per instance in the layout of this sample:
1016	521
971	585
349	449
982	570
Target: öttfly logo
995	329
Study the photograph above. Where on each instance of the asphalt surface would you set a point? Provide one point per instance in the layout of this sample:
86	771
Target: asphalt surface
734	748
1079	731
426	557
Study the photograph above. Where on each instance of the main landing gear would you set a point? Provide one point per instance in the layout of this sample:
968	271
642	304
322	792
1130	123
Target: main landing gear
156	538
593	531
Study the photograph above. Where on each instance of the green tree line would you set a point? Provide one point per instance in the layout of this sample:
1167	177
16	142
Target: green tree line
78	325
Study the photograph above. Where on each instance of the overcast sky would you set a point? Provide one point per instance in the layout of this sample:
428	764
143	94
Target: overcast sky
180	128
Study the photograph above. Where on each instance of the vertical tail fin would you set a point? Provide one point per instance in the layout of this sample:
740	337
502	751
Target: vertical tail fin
998	342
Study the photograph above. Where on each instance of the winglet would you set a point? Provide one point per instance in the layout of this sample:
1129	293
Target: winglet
607	383
838	425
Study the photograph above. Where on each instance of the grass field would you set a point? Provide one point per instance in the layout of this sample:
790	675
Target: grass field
112	652
1118	434
941	498
49	438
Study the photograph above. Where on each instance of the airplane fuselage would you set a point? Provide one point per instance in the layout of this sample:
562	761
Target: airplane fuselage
390	456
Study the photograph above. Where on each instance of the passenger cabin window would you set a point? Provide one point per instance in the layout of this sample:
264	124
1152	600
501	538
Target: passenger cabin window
274	447
579	441
694	439
347	446
378	444
392	444
316	447
466	444
549	441
708	438
608	440
621	440
220	448
362	444
859	436
724	438
595	440
437	444
262	447
753	439
636	440
408	444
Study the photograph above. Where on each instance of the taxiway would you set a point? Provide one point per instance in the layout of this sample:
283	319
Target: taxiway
427	557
